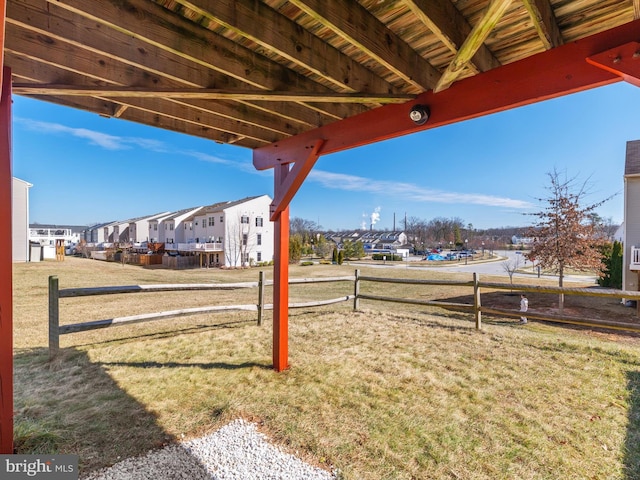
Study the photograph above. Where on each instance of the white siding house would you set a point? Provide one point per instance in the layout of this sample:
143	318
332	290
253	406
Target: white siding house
97	233
174	226
139	227
20	220
50	234
631	246
233	234
157	229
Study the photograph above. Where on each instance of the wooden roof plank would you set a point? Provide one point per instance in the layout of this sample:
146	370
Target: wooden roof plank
141	61
355	24
168	31
144	58
277	33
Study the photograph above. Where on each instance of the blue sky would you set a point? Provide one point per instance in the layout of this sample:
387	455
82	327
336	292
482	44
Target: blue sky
489	171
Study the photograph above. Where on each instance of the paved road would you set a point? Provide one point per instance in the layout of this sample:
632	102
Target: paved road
485	268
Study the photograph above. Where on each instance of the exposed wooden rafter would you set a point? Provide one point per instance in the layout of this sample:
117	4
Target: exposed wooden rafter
205	94
358	27
445	21
285	38
205	49
545	22
473	42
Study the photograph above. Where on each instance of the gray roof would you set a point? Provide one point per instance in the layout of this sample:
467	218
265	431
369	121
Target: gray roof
632	163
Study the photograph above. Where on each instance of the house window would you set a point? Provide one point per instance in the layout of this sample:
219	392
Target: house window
244	219
245	258
185	226
258	221
244	239
259	239
165	227
155	227
221	218
211	221
259	256
171	226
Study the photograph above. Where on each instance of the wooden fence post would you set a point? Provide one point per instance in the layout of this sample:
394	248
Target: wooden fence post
260	298
356	290
54	317
477	303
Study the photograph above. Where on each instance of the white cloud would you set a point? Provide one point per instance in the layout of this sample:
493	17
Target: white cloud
104	140
246	167
409	191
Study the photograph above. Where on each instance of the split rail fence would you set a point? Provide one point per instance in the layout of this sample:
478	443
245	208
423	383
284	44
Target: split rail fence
55	294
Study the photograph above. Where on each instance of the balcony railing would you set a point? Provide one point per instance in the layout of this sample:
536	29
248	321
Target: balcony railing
194	247
635	258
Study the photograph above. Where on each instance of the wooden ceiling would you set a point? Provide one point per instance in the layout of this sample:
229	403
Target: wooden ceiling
251	73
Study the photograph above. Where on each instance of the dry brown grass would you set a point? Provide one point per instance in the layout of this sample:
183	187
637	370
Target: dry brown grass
391	391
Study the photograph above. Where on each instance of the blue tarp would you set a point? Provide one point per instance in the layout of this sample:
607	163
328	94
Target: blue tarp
435	256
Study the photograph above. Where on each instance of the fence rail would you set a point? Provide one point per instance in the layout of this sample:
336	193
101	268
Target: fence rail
55	294
55	329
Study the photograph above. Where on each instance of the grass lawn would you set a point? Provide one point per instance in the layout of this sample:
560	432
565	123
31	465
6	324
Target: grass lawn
387	392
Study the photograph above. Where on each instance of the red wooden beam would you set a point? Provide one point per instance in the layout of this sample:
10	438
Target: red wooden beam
556	72
6	303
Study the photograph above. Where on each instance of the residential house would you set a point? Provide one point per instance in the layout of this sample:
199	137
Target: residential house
156	228
45	234
372	240
98	233
631	244
174	228
233	234
20	220
138	228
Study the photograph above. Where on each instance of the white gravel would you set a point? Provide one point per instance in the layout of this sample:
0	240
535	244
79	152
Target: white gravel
237	451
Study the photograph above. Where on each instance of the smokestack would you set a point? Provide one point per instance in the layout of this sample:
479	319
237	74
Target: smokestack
394	221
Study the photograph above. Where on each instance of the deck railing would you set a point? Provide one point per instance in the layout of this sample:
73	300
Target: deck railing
194	247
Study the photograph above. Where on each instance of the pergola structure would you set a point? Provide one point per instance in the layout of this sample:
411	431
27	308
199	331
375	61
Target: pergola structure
296	79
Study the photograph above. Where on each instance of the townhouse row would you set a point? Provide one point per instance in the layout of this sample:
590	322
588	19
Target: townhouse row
231	233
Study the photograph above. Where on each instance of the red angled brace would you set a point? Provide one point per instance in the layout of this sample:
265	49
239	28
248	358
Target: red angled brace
623	61
291	181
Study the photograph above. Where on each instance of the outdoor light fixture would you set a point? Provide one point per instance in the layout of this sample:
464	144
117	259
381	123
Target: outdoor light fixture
419	114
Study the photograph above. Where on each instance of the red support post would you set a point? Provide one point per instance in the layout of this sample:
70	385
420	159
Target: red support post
281	292
287	180
6	302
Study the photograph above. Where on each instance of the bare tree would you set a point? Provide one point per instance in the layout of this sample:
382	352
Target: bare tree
240	241
511	266
564	235
302	226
